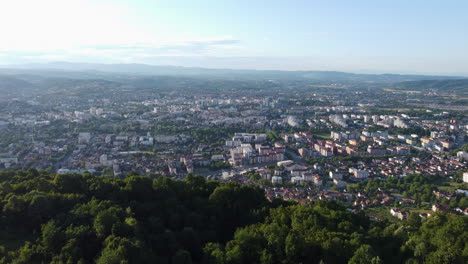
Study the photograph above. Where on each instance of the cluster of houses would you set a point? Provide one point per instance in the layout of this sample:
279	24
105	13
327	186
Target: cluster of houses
347	143
403	214
243	153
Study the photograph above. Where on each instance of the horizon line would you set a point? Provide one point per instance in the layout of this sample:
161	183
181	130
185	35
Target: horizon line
25	66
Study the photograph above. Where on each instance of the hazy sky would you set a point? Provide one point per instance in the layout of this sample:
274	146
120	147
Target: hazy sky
350	35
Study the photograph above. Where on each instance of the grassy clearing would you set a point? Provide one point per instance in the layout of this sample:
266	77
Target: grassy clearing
323	136
382	212
452	186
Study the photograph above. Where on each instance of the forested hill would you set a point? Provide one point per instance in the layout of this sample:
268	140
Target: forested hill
440	85
47	218
11	85
93	70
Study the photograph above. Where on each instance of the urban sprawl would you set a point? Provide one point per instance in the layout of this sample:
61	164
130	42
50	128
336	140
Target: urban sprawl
383	151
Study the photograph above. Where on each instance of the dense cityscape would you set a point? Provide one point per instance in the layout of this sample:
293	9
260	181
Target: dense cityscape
233	132
298	141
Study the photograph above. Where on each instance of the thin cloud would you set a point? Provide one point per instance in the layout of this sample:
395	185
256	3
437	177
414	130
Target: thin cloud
115	52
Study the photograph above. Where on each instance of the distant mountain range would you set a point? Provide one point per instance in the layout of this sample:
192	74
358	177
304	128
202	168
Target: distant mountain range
24	79
232	74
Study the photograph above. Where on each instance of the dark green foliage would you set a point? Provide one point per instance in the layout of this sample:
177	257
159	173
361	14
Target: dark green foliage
326	233
416	186
74	218
365	255
84	219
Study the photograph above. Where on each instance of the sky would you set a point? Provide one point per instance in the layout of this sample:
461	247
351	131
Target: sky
372	36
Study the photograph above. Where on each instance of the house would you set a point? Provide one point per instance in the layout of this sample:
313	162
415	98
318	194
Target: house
7	162
326	152
462	155
403	150
361	174
440	207
295	167
461	211
217	158
307	152
398	213
284	163
442	194
297	180
335	175
189	167
459	191
447	144
146	140
276	179
172	169
84	138
280	146
317	180
339	183
376	151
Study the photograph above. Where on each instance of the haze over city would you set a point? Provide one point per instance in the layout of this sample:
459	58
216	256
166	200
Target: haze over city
424	37
233	132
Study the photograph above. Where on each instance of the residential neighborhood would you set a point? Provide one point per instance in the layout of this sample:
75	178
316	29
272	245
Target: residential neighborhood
301	145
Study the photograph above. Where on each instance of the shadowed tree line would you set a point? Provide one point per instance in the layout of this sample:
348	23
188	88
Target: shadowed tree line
71	218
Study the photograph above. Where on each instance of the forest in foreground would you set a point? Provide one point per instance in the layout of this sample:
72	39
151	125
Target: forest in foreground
71	218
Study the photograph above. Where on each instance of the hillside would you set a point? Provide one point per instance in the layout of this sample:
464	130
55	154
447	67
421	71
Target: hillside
439	85
14	86
47	218
230	74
